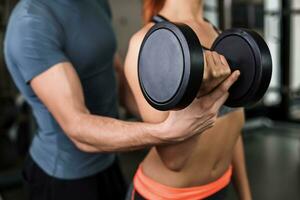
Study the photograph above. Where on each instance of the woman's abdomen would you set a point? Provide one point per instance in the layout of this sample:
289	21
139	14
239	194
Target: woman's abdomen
208	162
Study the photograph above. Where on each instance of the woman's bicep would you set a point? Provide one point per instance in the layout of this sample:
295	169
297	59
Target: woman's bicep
148	113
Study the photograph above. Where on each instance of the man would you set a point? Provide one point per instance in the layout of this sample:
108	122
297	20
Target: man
60	54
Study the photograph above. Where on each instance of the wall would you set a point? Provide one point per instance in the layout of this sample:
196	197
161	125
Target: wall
272	31
296	47
272	37
127	19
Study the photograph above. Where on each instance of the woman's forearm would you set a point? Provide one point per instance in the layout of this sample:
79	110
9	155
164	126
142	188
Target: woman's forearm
239	171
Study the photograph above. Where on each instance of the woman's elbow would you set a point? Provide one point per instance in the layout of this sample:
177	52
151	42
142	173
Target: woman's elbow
174	164
175	157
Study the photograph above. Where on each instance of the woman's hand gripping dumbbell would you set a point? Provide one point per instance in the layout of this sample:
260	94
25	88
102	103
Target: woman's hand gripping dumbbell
216	70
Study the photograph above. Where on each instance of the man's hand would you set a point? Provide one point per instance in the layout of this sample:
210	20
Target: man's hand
216	70
200	115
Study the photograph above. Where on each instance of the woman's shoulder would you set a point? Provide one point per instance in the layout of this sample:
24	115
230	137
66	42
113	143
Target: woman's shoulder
137	38
134	47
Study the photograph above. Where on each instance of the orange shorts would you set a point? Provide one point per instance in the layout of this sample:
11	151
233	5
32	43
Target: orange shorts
152	190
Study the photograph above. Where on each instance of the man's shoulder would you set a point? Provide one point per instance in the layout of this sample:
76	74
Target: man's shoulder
28	10
31	29
32	16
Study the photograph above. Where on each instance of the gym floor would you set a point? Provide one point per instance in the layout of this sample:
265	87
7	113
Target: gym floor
272	156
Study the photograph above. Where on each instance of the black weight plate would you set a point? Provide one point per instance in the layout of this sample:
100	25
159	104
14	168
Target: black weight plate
170	66
246	51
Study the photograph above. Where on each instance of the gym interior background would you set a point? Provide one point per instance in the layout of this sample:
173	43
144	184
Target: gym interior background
272	130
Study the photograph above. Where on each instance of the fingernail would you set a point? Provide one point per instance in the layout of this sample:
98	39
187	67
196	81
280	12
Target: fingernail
237	75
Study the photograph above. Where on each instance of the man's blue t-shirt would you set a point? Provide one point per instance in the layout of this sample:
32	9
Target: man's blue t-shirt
42	33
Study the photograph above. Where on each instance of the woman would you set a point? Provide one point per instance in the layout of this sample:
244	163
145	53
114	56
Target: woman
200	167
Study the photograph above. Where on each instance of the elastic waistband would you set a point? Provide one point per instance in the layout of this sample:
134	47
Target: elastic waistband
153	190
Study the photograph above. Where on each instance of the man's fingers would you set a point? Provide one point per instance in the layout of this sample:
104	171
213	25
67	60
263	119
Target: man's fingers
224	87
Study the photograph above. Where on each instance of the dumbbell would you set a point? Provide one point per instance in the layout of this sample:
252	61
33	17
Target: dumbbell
171	65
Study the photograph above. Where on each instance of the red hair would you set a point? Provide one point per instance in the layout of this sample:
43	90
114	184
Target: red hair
151	8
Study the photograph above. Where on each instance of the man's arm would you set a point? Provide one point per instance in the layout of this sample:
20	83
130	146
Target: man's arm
239	171
59	88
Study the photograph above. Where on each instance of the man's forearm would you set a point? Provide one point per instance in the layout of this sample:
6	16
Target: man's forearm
239	171
93	133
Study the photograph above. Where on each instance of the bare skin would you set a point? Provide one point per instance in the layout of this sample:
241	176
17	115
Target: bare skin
211	156
202	158
94	133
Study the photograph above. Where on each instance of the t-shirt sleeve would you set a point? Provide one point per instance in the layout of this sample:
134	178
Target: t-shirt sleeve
37	45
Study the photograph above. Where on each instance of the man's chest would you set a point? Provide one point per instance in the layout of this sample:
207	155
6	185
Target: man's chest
89	38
